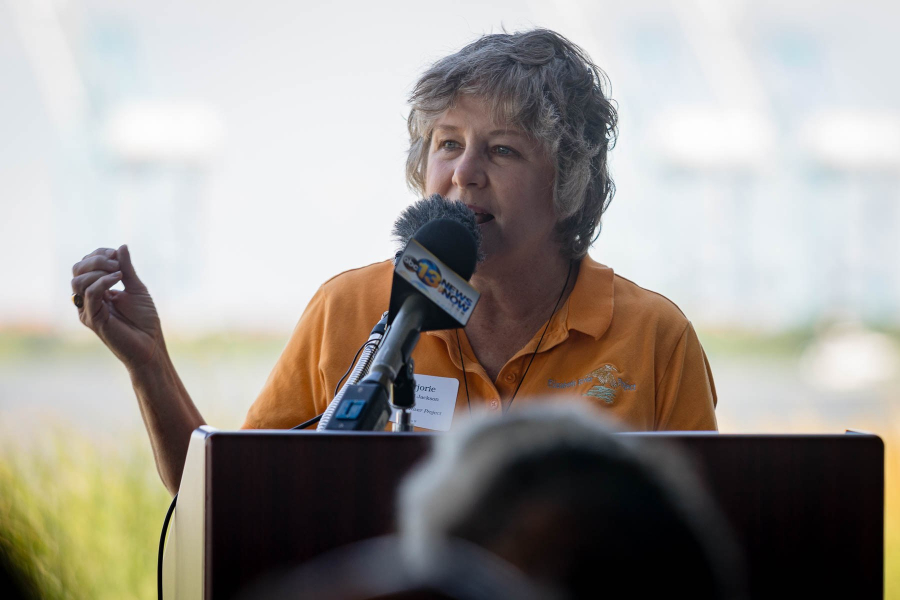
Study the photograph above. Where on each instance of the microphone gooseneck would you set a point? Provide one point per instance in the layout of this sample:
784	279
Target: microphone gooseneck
359	371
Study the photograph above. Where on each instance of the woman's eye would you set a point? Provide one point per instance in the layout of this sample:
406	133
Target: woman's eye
504	151
449	145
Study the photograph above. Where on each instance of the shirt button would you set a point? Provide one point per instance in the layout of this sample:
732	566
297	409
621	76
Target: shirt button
510	377
495	404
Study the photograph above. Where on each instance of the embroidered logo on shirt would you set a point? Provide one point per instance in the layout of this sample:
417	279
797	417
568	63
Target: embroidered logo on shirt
610	383
607	378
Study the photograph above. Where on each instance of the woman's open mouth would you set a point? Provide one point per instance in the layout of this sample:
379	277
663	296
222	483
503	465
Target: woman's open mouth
481	216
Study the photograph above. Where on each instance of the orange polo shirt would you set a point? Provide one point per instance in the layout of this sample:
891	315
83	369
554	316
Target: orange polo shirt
628	352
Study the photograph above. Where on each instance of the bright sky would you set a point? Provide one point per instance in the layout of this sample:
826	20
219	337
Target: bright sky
305	109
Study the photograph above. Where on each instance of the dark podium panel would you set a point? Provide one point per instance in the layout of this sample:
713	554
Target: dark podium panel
808	510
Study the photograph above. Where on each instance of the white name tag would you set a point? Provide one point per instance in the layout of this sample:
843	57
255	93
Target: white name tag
435	402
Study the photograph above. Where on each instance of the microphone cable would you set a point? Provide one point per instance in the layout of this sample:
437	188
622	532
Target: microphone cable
350	368
372	344
165	527
162	544
366	355
318	418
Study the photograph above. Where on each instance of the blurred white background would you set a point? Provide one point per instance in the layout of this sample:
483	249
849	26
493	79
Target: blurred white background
249	151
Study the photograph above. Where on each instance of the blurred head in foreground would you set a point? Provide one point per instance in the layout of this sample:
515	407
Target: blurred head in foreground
544	504
573	507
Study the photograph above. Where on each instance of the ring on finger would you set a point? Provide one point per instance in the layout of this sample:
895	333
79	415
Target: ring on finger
78	300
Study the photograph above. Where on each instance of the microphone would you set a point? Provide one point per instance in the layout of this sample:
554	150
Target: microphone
430	291
420	213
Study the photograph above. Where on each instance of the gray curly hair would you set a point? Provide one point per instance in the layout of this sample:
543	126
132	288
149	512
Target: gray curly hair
539	81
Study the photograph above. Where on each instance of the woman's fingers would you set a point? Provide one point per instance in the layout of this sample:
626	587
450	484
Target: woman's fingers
95	262
82	282
129	277
108	252
95	312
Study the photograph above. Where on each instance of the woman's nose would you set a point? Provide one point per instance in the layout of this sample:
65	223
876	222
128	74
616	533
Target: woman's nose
469	170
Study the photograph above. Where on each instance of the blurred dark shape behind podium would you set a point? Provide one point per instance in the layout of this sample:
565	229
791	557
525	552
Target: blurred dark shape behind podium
546	503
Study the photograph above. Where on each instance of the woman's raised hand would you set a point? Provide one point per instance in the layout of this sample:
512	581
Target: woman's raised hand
126	321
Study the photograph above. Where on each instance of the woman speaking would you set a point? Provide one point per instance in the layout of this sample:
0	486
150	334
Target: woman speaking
517	127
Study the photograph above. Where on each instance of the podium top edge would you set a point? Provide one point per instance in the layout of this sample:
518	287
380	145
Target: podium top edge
207	431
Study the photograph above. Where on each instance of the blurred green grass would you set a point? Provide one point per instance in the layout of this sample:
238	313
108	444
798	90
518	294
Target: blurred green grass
22	346
81	517
82	521
891	439
782	344
27	345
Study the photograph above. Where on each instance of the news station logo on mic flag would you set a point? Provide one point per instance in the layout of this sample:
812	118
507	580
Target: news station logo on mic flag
436	281
428	272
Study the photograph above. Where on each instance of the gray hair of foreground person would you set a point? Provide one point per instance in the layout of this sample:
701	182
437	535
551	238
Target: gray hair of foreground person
539	81
573	506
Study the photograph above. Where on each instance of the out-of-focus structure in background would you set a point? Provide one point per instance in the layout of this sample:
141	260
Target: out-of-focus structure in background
758	167
249	151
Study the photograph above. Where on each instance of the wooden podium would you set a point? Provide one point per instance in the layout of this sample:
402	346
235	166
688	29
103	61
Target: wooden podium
808	510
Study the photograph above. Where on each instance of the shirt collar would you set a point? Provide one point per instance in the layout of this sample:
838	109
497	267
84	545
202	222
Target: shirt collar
589	309
590	305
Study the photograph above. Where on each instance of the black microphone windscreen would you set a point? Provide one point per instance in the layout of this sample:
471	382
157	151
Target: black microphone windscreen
435	207
452	243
